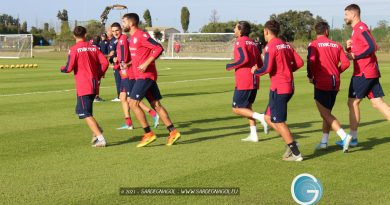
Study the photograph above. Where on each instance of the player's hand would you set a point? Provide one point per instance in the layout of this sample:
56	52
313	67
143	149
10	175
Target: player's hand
311	80
350	56
349	44
254	68
142	67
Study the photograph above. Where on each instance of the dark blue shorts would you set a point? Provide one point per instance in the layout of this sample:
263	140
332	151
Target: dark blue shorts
145	88
277	106
361	87
84	106
244	98
127	86
325	98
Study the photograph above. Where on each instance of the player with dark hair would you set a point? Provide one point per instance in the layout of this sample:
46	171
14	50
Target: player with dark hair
104	44
89	65
280	61
122	61
246	55
144	51
361	49
323	70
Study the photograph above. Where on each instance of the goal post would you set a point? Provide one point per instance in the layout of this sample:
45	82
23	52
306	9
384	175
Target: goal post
201	46
16	46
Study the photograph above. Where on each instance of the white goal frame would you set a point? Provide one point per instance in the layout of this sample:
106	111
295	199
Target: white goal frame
12	51
170	54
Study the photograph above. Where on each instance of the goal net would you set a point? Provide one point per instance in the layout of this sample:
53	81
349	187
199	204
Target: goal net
16	46
206	46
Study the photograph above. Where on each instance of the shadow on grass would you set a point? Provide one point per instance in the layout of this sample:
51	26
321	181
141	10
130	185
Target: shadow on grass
122	142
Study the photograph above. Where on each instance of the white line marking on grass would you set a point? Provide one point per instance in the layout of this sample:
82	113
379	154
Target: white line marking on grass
69	90
161	83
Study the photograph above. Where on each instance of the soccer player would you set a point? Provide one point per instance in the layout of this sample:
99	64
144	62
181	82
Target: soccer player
104	44
280	61
111	55
323	70
365	80
89	65
246	55
127	77
144	51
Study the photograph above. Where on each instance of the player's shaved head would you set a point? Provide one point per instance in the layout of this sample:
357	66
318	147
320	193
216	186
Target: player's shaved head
79	32
133	17
273	26
321	28
353	8
244	27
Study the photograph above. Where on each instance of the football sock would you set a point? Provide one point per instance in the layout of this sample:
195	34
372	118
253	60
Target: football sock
294	148
152	113
258	116
171	128
325	137
147	129
253	130
128	121
353	133
100	138
341	133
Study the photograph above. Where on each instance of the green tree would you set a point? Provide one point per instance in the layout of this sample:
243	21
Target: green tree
8	24
185	19
157	34
148	18
23	28
94	28
296	24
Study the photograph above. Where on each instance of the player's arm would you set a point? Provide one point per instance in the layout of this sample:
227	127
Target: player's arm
297	62
70	63
311	59
269	59
242	59
371	47
156	48
103	63
344	61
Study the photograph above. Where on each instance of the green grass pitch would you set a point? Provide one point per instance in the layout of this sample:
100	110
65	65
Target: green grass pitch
46	158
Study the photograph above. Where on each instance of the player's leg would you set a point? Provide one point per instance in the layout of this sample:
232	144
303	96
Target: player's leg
381	106
278	117
376	95
325	101
84	109
242	102
126	87
153	95
152	113
138	92
330	121
117	77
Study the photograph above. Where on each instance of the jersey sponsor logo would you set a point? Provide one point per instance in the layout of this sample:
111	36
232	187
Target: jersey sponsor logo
283	46
333	45
250	43
86	49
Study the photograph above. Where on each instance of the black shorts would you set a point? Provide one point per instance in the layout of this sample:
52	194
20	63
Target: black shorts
84	106
127	86
277	106
361	87
326	98
244	98
145	88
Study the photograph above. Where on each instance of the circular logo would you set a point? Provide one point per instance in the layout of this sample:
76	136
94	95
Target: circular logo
306	189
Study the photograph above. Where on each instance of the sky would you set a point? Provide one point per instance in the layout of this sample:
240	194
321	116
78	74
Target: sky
167	12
